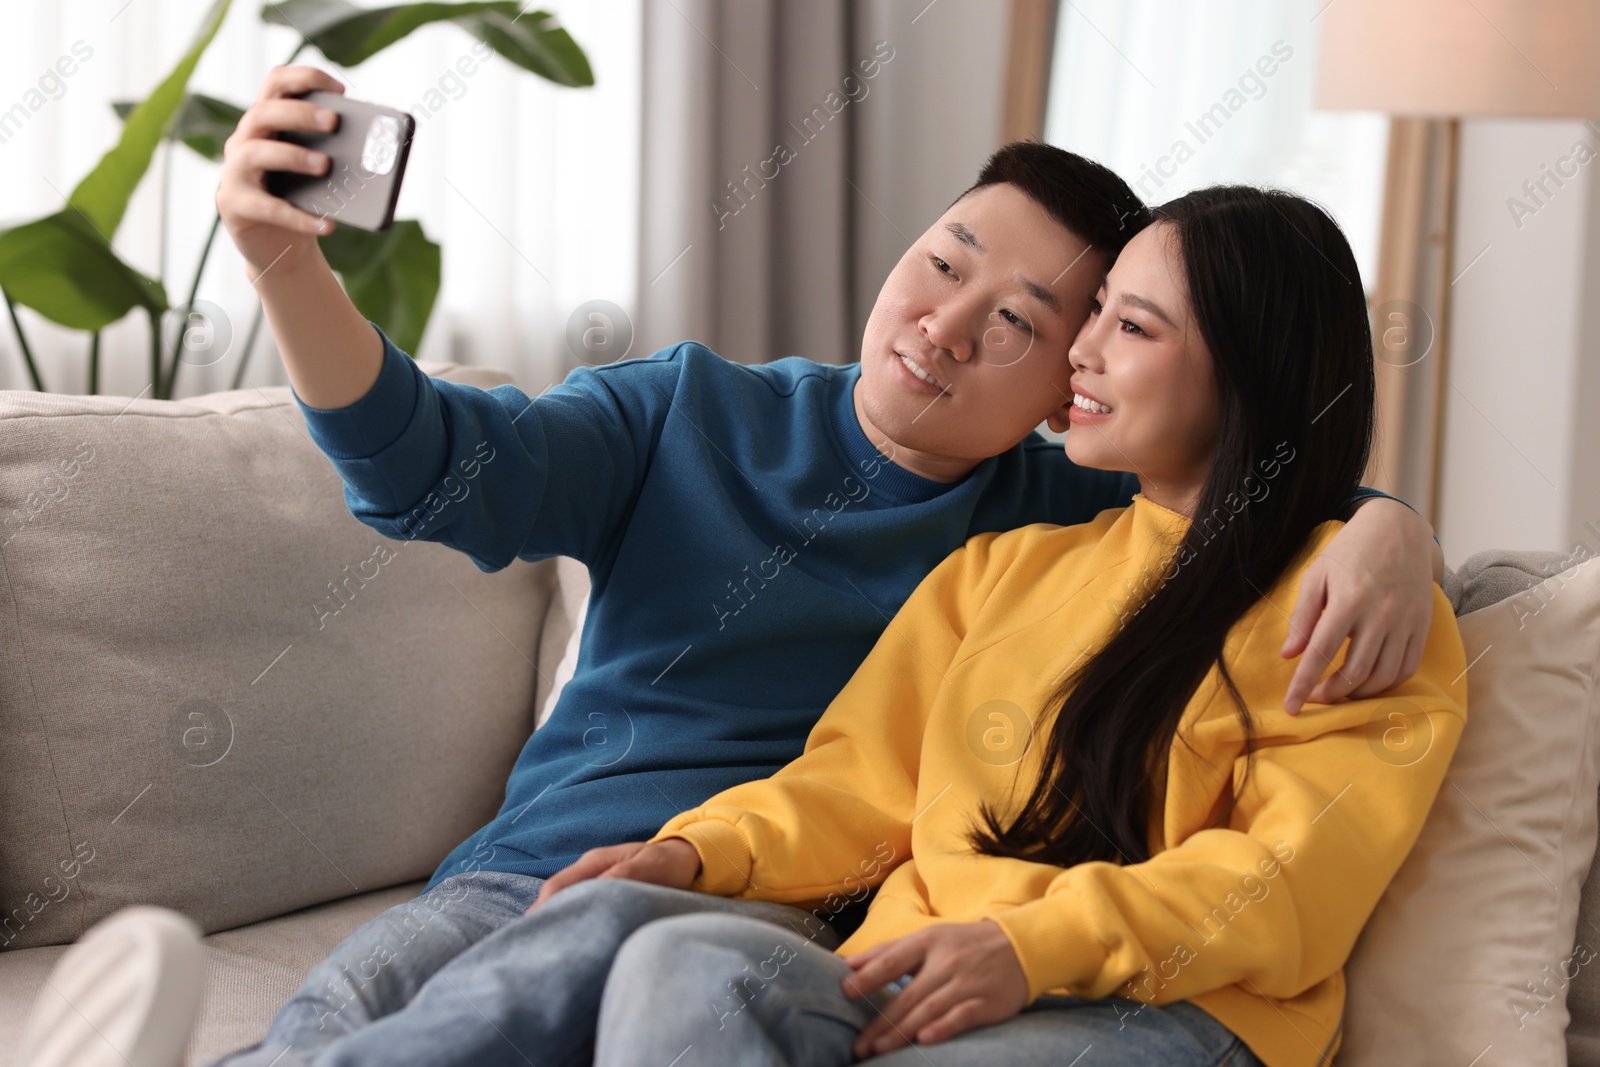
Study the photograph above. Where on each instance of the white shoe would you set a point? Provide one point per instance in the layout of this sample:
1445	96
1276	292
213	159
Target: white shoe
126	995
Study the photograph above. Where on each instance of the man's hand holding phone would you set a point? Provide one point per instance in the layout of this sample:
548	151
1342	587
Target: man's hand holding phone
330	352
269	231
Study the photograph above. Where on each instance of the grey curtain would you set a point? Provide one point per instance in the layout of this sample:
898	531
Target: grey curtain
791	152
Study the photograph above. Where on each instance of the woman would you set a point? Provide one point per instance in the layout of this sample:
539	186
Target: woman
1066	761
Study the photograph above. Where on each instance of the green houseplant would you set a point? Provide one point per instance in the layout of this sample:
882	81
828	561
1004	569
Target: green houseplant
63	266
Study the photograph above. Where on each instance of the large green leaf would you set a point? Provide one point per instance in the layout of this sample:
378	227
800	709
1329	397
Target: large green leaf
202	123
103	194
63	268
535	41
348	34
391	276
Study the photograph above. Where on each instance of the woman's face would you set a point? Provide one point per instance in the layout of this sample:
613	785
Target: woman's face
1140	355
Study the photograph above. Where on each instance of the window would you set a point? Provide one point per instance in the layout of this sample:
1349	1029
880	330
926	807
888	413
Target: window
1174	97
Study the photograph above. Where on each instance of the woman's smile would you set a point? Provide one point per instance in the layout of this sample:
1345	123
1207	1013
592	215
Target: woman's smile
1087	410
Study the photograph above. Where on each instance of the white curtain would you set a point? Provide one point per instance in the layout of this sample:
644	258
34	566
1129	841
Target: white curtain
531	189
1174	96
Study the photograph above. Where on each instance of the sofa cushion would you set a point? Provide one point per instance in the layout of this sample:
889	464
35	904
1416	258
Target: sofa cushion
562	633
219	691
1583	997
1499	574
1463	960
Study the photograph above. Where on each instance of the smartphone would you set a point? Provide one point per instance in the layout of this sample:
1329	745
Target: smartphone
367	153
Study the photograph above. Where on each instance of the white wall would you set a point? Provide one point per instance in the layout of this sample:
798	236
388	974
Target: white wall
1520	463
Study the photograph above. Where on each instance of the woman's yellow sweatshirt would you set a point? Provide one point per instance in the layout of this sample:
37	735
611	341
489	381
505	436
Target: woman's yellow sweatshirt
1252	922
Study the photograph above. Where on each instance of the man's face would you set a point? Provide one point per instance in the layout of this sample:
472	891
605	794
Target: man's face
983	307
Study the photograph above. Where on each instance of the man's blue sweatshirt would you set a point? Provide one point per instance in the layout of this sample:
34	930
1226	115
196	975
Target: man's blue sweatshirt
746	546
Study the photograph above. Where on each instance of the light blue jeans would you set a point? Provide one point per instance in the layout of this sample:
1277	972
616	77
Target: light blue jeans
713	989
459	975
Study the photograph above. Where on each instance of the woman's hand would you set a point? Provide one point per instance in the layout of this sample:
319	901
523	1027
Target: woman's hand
268	228
1373	584
673	863
967	975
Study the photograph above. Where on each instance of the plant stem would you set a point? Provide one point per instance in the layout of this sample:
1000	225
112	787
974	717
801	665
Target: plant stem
249	347
94	363
166	204
22	340
194	288
155	353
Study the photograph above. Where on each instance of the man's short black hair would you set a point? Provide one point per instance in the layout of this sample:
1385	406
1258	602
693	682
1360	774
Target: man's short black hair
1085	197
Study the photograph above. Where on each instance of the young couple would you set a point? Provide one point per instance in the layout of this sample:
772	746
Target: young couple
859	632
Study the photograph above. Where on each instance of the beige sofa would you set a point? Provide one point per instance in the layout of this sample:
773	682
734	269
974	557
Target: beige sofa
221	693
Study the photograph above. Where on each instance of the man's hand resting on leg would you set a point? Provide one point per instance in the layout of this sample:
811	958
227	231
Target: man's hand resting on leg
673	863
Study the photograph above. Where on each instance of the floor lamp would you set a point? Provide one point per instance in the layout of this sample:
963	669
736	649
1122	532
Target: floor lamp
1429	64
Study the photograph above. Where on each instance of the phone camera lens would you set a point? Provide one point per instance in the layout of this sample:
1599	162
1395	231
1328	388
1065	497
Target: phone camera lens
382	148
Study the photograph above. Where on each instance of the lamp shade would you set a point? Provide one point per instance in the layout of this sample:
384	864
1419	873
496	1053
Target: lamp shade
1461	58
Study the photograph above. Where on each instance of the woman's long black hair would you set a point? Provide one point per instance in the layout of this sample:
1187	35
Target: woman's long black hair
1278	300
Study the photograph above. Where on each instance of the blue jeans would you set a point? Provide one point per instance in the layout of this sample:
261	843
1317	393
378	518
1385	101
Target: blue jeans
714	989
459	975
